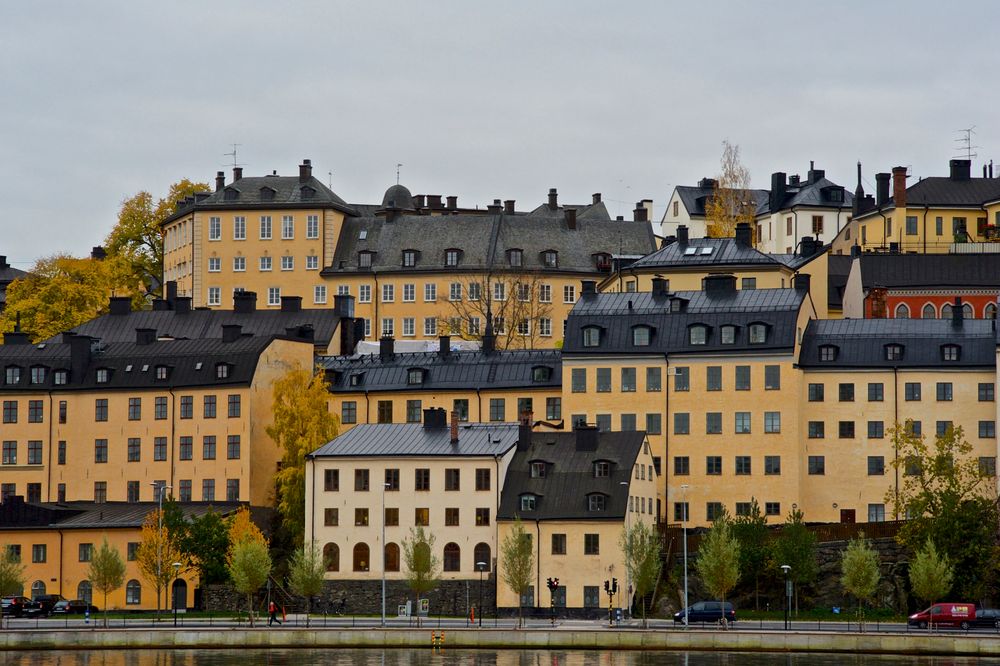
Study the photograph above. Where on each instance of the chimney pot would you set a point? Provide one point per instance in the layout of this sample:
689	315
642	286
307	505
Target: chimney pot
553	199
596	197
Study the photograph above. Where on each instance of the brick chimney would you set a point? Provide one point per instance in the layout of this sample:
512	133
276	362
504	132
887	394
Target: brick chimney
237	173
305	171
553	199
220	180
899	186
454	426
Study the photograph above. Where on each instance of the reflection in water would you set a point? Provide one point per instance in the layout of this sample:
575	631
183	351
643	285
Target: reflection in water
427	657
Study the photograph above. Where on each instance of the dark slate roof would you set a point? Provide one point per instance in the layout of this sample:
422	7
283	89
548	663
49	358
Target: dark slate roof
8	273
134	366
596	211
459	370
814	194
617	313
288	190
861	343
484	241
942	191
925	271
93	515
694	199
715	253
562	493
838	270
417	440
207	324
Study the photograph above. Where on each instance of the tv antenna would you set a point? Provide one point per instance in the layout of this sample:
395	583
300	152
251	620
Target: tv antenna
233	155
329	175
397	173
964	142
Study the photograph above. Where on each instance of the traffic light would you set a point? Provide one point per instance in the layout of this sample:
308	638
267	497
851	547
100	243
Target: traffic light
607	587
614	586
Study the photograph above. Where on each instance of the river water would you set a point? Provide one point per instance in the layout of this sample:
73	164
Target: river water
373	657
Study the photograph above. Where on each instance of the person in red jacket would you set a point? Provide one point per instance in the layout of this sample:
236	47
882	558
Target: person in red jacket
272	608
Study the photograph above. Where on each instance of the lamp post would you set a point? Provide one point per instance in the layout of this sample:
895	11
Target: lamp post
158	489
684	522
628	515
177	573
481	567
384	552
788	591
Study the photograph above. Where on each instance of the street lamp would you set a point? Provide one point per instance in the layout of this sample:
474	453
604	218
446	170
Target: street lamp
628	585
481	567
788	592
684	522
158	488
177	573
384	552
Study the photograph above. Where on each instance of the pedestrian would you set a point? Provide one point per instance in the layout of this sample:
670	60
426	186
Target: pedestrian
272	609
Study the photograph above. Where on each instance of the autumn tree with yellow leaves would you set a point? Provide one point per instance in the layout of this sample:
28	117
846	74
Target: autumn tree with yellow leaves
731	201
248	559
302	423
157	552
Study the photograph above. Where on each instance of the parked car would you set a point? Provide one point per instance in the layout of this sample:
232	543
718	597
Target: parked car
950	614
74	607
14	606
706	611
987	617
42	604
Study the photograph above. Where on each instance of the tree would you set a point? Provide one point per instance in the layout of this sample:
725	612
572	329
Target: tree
750	531
949	500
512	298
931	574
248	560
306	573
640	545
61	292
731	201
136	237
518	563
203	541
156	553
718	561
796	547
302	423
11	573
860	572
422	566
106	572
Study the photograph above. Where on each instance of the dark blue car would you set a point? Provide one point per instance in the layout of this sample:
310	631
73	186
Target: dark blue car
705	612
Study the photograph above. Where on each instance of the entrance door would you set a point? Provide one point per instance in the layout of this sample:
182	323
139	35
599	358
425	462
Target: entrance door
180	594
847	516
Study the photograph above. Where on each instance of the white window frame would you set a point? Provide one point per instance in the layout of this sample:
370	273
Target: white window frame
215	264
409	326
215	296
265	263
265	227
545	326
312	227
239	228
569	293
287	227
239	264
319	293
388	326
430	326
545	293
274	295
215	228
430	292
409	292
455	291
287	262
312	262
388	293
499	291
364	293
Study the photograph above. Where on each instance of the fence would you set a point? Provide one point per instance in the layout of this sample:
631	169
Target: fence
673	535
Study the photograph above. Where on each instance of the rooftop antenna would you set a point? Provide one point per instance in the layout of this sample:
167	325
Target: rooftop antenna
329	176
964	142
397	173
233	155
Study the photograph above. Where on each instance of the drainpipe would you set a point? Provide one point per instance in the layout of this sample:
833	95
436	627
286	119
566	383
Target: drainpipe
52	420
479	406
60	561
885	230
795	226
368	408
895	450
925	228
173	423
376	297
538	562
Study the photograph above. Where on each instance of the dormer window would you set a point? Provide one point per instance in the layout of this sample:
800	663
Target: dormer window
698	334
550	259
641	336
603	261
828	353
727	334
13	374
541	373
537	469
528	502
221	370
38	374
60	377
415	376
409	258
365	259
161	372
231	194
597	502
894	352
515	258
677	304
950	352
602	469
758	334
356	379
307	193
103	375
452	257
591	336
267	194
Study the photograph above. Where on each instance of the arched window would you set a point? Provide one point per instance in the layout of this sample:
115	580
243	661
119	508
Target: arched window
452	557
968	312
946	311
484	561
37	589
990	311
331	555
133	592
902	311
929	312
362	561
85	591
391	557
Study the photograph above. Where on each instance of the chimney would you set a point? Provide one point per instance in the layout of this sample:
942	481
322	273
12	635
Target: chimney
720	284
508	206
489	339
98	253
171	292
526	420
859	194
237	173
435	417
744	235
385	348
420	201
444	345
960	169
801	282
231	332
220	180
120	305
991	168
794	180
352	331
303	332
882	188
815	174
588	288
777	195
245	302
343	306
570	218
639	213
957	313
586	437
855	251
305	171
145	336
596	198
454	426
809	246
682	234
553	199
291	303
182	305
79	356
452	202
160	305
3	262
659	287
899	186
434	201
16	338
494	207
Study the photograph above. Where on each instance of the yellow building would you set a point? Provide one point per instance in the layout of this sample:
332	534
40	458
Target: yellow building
574	493
55	544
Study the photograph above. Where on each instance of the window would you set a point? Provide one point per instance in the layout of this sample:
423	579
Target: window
876	430
37	375
452	479
591	544
641	336
499	291
986	392
845	392
451	517
331	480
816	430
941	428
591	336
944	391
876	466
312	227
361	477
430	326
482	517
876	513
578	378
713	510
528	502
713	465
743	465
9	452
698	335
233	406
264	263
100	492
461	405
727	335
742	378
409	326
817	465
391	517
569	294
392	479
682	466
929	312
13	374
596	502
742	423
498	409
208	447
61	453
422	479
100	450
475	291
274	295
553	409
365	293
100	410
713	379
772	465
772	422
388	328
536	469
876	392
713	423
628	380
482	478
914	427
894	352
86	552
911	391
772	377
186	448
214	265
816	392
515	258
232	490
389	292
384	411
265	227
845	429
239	264
988	465
35	411
902	311
209	407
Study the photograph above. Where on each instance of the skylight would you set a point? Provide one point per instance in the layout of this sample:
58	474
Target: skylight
690	251
707	250
363	234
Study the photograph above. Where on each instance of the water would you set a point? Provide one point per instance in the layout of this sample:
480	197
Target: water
374	657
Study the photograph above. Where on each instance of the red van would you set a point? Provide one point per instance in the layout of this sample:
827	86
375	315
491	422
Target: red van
945	615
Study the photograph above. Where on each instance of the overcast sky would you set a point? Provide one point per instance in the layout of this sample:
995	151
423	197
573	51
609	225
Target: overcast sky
500	100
